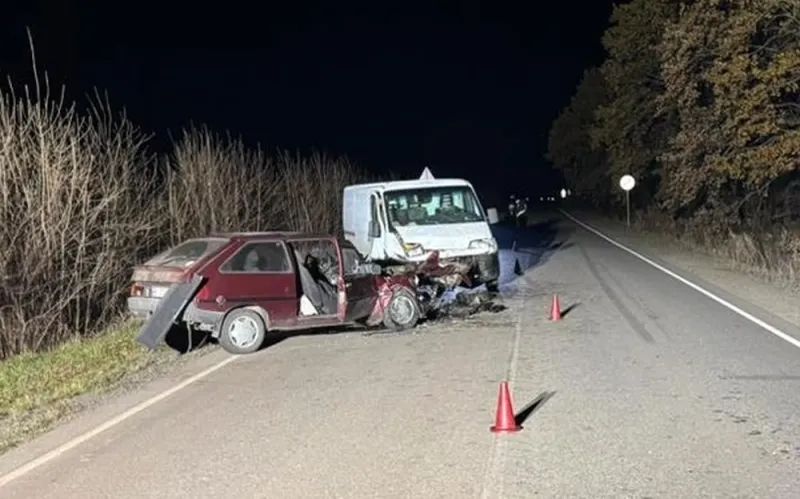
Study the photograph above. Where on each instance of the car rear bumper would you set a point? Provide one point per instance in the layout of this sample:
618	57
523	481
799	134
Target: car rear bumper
142	307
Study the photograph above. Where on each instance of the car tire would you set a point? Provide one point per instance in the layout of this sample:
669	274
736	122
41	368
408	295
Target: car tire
493	286
403	311
243	331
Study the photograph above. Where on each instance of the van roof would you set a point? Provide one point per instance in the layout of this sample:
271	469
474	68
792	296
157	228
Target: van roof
412	184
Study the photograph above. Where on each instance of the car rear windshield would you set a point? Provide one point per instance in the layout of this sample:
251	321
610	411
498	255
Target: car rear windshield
186	253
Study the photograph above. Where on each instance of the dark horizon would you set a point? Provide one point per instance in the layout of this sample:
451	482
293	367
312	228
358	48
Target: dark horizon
470	91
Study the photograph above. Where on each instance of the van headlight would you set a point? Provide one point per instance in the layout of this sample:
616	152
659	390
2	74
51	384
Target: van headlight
489	244
413	249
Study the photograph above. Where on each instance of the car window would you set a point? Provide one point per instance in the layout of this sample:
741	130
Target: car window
352	261
258	257
187	252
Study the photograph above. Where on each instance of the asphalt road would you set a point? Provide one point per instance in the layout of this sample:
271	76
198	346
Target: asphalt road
649	389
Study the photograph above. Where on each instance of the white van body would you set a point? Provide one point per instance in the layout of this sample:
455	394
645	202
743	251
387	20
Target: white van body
404	221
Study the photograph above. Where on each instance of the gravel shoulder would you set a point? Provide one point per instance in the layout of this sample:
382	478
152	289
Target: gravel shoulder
41	391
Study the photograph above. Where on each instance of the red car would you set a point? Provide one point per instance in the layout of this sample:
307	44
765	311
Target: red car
239	287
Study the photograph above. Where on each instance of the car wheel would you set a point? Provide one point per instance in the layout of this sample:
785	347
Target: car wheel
493	286
243	331
403	311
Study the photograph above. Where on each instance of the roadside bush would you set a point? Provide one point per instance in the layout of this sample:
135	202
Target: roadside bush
73	206
81	202
772	252
216	184
706	120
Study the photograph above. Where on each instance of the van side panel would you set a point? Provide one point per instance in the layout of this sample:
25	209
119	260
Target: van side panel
355	217
347	212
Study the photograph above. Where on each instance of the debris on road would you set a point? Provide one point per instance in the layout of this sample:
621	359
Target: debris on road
445	290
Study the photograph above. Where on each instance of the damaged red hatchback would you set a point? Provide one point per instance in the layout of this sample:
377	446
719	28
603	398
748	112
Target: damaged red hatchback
239	287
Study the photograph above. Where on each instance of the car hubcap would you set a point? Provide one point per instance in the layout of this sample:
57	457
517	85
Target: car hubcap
243	332
402	310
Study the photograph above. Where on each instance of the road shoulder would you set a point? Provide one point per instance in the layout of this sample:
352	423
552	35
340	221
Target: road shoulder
92	410
716	272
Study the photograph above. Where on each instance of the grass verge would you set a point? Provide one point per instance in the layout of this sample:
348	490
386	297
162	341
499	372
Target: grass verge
40	389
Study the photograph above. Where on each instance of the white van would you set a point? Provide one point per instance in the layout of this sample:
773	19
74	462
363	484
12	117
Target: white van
403	221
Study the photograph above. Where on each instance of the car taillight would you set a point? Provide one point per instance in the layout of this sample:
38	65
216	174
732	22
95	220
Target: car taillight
203	295
137	290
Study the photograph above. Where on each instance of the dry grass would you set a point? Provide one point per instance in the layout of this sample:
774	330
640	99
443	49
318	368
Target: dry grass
772	254
217	184
36	389
82	201
74	208
35	380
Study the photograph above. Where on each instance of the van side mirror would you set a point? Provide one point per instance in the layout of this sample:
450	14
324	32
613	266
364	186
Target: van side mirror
492	215
374	229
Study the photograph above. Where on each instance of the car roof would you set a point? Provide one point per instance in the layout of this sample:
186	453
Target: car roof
246	236
255	234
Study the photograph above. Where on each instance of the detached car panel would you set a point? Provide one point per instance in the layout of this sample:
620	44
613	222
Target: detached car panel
168	312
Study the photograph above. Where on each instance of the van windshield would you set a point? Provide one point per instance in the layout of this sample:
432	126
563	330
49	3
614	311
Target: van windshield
432	206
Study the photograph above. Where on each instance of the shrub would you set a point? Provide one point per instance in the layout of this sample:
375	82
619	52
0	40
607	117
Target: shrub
82	201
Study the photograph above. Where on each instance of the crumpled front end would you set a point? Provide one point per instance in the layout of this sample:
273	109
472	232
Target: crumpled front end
381	304
450	273
427	295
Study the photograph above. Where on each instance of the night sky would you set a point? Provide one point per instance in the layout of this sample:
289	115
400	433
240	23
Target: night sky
470	88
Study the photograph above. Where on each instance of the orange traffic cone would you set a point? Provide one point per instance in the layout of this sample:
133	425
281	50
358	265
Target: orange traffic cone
505	421
555	310
518	267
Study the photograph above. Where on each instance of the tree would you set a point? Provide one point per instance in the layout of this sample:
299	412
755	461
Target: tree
570	148
731	71
630	127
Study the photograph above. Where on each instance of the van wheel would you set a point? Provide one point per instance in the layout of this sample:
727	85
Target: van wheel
243	331
493	286
403	311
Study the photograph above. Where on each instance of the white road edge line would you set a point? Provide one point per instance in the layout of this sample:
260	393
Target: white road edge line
492	482
71	444
730	306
